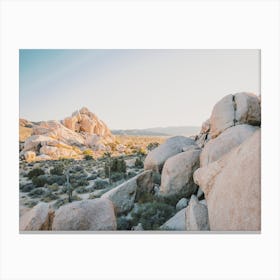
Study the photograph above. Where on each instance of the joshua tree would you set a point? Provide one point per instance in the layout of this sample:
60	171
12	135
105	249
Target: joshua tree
68	186
108	154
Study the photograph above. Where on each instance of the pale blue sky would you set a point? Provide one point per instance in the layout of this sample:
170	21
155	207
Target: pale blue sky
133	88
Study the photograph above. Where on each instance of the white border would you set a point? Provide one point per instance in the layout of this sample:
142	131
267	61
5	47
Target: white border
155	24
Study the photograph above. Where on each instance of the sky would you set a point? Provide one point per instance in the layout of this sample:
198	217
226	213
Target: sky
133	88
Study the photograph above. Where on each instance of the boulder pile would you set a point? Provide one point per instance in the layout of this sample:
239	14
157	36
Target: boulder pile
63	139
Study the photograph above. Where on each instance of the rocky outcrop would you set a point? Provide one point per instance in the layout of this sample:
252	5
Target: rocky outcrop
240	108
29	156
177	174
85	121
97	214
227	140
232	186
124	196
177	222
38	218
172	146
67	138
196	215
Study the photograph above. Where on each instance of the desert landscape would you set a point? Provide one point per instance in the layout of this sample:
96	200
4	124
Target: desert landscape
76	175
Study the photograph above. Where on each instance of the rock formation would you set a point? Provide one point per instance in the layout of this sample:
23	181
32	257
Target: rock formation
172	146
177	174
232	186
66	138
96	214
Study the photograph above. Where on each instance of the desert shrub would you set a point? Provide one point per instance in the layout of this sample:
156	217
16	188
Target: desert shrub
35	173
27	187
77	168
92	177
39	181
152	146
117	165
62	201
53	187
83	189
117	176
100	184
88	157
38	192
123	223
139	163
57	170
152	215
88	152
49	196
31	203
131	174
77	182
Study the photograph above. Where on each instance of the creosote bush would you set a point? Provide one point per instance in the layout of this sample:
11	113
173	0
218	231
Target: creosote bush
152	215
35	173
57	170
139	163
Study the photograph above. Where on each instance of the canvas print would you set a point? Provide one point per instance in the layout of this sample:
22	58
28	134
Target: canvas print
158	140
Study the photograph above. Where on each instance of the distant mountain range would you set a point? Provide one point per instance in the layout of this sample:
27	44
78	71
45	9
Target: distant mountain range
160	131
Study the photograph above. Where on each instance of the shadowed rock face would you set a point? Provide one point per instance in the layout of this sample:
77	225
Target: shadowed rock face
196	215
232	186
172	146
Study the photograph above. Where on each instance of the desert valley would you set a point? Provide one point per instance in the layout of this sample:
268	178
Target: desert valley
76	175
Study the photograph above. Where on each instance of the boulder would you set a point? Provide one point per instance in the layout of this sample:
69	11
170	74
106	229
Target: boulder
58	131
29	156
248	108
177	174
57	152
232	186
177	222
96	214
38	218
240	108
182	203
223	115
172	146
145	184
226	141
124	195
35	142
196	215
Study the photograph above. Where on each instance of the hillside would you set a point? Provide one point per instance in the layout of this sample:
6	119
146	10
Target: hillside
160	131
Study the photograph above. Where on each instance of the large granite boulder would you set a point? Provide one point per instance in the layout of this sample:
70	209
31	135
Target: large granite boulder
196	215
232	186
177	174
177	222
240	108
172	146
38	218
227	140
96	214
124	195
